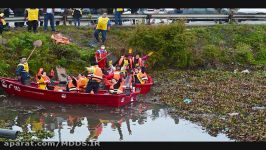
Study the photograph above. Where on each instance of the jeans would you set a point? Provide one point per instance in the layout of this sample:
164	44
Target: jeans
77	20
96	35
118	19
25	81
49	16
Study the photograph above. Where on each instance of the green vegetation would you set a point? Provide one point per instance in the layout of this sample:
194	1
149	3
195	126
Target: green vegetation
175	46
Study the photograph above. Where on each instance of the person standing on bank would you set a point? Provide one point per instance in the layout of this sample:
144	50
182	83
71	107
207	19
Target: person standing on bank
118	12
77	14
22	71
103	25
48	15
32	16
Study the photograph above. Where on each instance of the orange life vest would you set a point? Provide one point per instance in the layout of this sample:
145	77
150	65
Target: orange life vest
82	82
116	75
97	74
71	86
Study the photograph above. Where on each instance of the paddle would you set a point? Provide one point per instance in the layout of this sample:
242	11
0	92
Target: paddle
36	44
105	57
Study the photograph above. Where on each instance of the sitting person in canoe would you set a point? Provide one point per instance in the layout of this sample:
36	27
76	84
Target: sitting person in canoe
42	79
71	84
140	75
82	82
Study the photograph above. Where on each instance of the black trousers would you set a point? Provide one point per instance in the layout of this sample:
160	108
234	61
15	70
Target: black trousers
33	24
92	85
1	28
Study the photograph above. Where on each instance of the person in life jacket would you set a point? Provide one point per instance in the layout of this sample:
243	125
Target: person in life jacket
130	53
42	79
142	76
71	84
82	82
136	78
103	25
95	75
137	61
118	12
101	57
32	16
118	87
107	77
2	23
22	71
125	63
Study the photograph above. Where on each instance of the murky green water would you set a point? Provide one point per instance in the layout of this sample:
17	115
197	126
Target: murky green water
135	122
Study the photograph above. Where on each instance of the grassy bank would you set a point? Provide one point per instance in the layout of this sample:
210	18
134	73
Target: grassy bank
175	46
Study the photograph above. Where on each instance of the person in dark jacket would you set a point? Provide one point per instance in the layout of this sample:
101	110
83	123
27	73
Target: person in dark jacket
77	14
22	71
6	14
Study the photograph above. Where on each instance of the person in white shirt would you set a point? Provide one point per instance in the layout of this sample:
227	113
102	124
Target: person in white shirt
49	15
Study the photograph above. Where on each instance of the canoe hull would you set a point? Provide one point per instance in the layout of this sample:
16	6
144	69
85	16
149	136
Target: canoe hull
13	87
145	88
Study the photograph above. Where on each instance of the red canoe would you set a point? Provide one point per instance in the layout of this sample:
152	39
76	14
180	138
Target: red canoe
104	98
145	88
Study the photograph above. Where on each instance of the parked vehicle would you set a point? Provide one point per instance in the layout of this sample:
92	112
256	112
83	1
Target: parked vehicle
86	11
205	11
149	11
251	11
168	11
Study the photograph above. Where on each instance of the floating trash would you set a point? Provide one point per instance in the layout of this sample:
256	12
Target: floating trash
245	71
233	114
259	108
187	100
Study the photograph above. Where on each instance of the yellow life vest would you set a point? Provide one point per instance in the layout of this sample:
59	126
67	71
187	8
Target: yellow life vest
3	21
33	14
42	85
102	23
119	9
25	66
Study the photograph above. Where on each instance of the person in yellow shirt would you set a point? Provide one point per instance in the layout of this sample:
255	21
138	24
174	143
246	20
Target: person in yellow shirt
2	22
103	25
32	16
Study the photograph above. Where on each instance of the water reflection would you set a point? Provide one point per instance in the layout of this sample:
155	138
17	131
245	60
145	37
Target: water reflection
135	122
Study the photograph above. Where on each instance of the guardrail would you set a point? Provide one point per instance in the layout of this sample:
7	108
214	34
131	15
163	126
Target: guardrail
146	18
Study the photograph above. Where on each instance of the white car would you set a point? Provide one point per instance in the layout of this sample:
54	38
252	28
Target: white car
127	11
167	11
151	11
251	11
